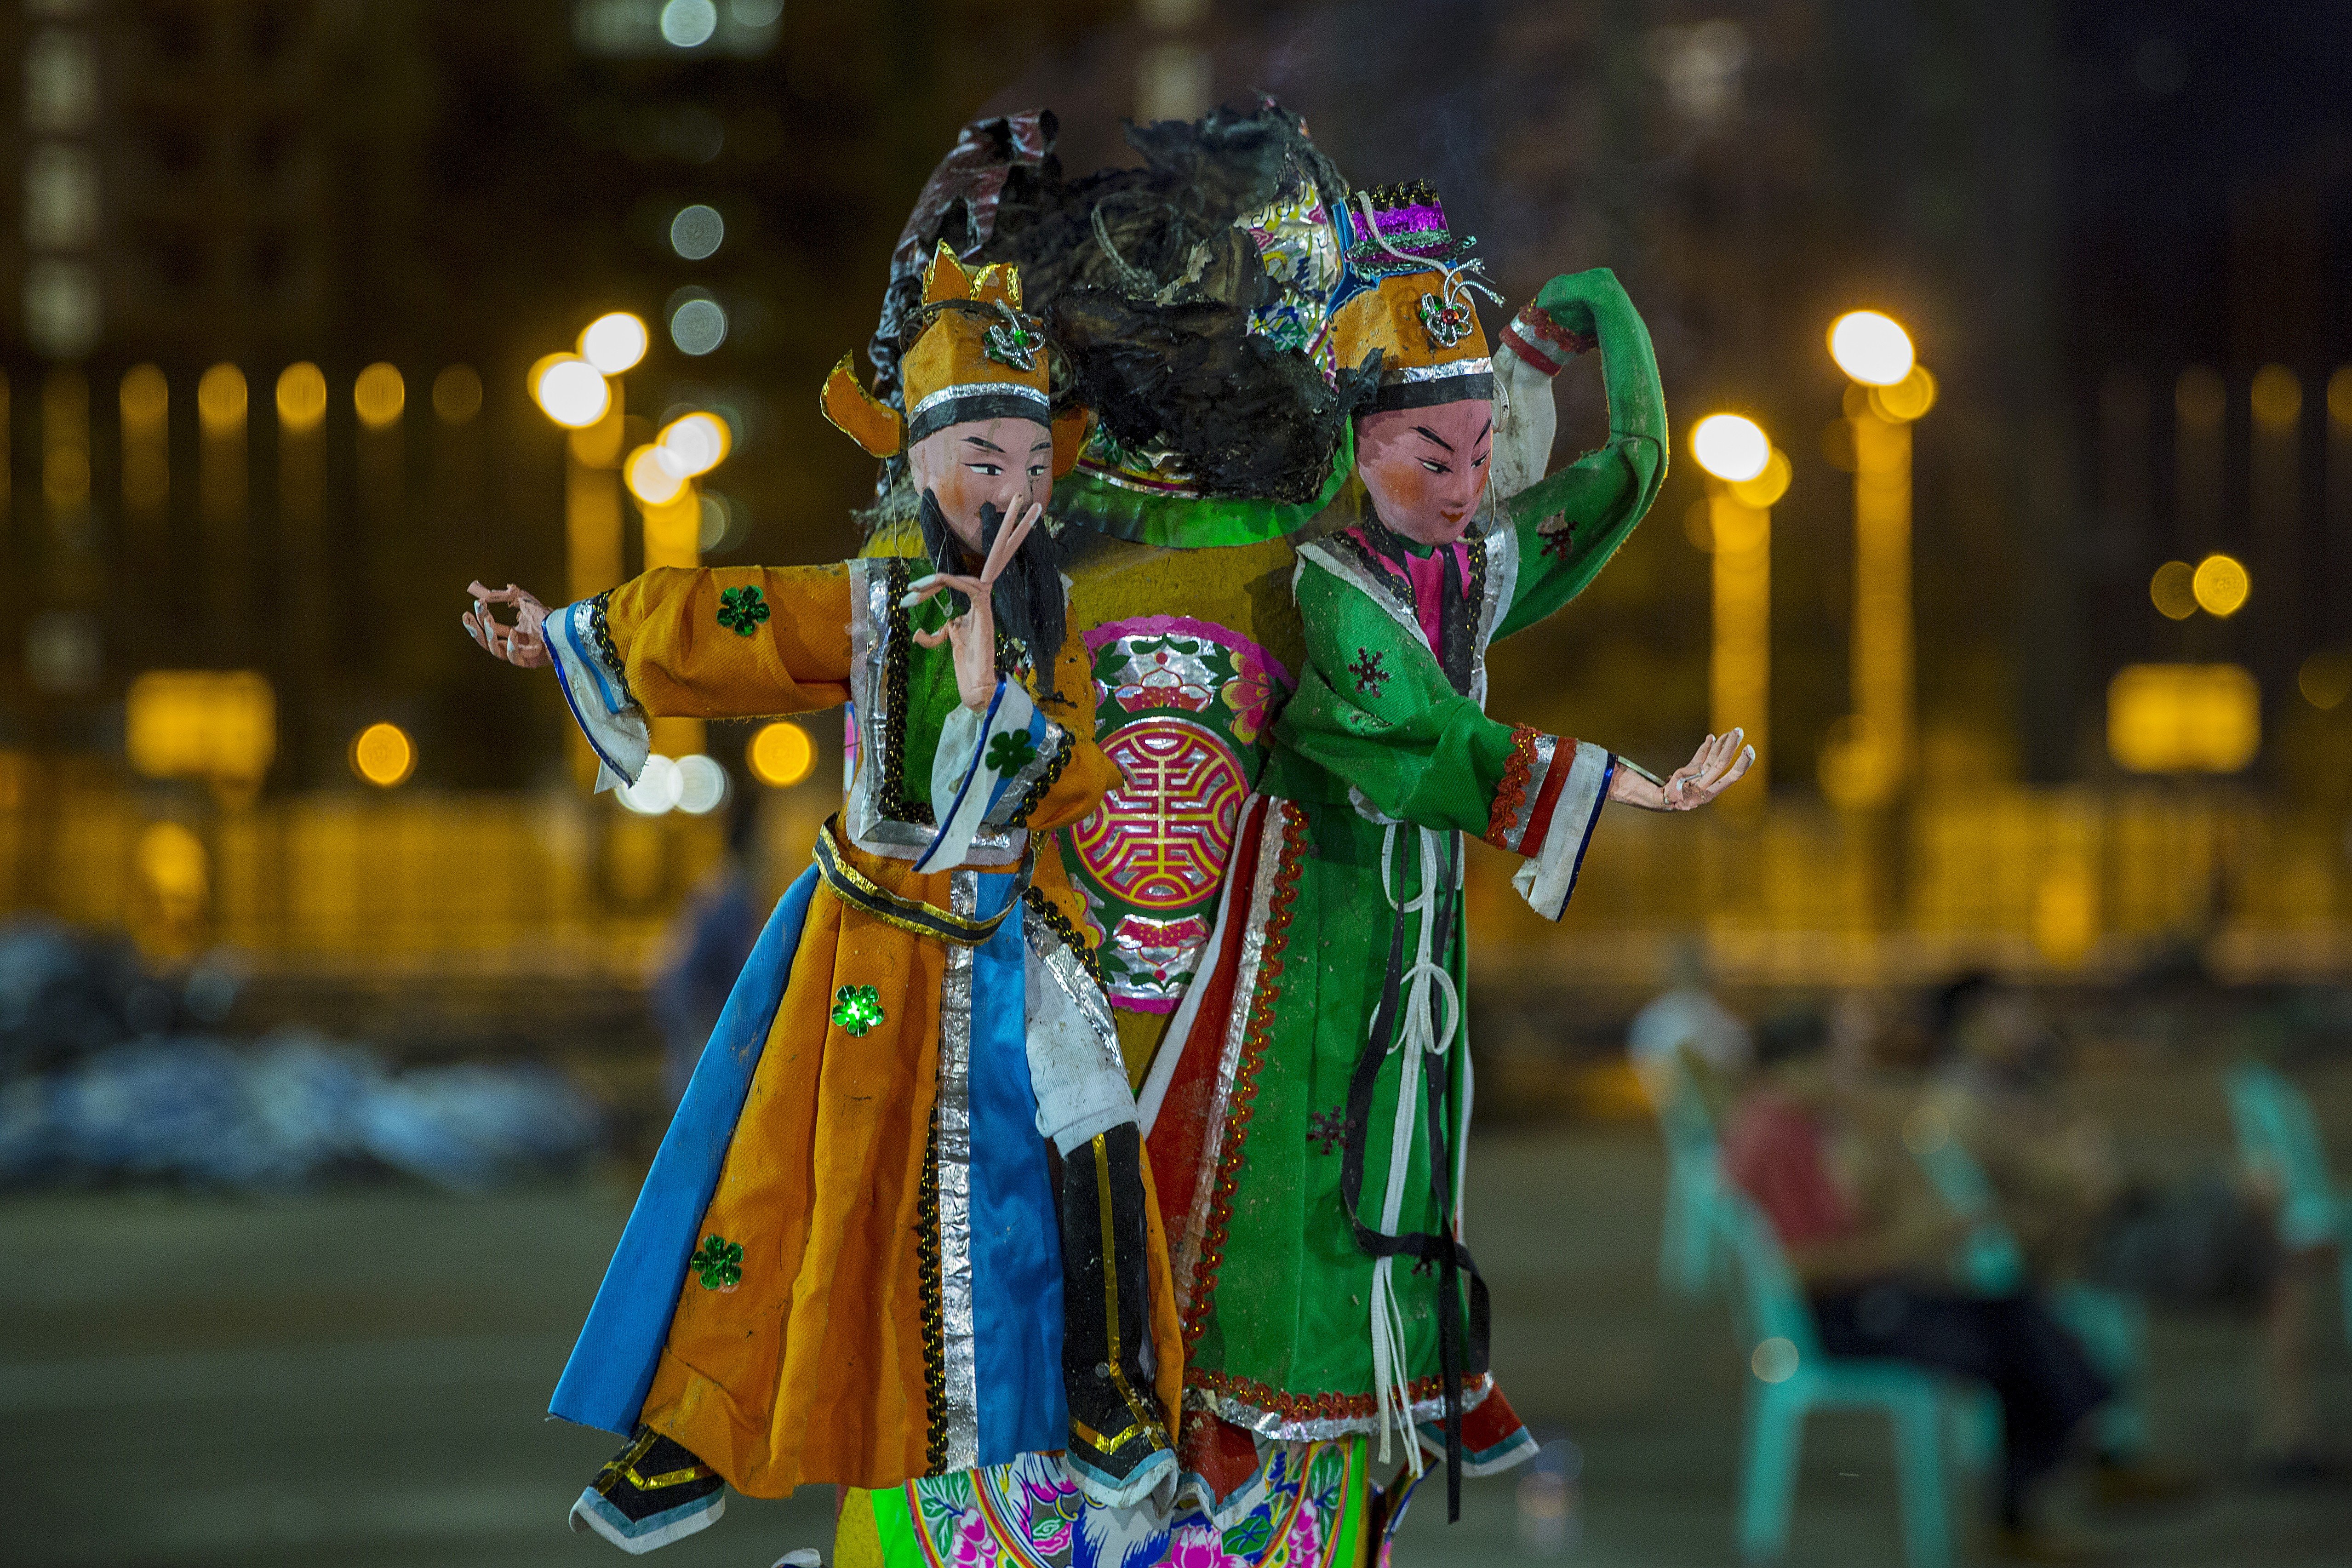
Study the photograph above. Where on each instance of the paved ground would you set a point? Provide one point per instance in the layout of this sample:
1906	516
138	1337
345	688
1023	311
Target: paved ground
355	1379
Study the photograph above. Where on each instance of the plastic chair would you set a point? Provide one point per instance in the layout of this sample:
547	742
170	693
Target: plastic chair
1693	1184
2111	1325
1793	1377
2279	1139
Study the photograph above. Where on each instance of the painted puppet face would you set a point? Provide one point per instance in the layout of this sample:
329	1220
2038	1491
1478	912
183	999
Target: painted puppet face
1427	468
1006	463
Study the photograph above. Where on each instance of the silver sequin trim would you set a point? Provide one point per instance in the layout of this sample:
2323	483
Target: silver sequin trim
1446	372
1275	1425
1071	975
1229	1054
980	389
1514	836
1356	577
869	688
1501	582
955	1185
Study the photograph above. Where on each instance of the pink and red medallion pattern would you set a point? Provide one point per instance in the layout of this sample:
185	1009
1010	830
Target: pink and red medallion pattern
1182	706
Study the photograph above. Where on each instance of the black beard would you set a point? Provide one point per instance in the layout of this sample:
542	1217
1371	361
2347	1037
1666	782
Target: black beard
1027	598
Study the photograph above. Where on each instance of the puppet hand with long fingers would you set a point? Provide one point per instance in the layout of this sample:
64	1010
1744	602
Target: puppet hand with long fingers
524	643
974	633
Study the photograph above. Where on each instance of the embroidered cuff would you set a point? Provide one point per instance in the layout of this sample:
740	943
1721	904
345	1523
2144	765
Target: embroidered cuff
979	757
599	699
1074	1063
1561	815
1543	342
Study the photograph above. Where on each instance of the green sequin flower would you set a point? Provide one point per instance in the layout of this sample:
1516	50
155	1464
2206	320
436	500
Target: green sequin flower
741	610
1012	750
857	1008
719	1262
1012	344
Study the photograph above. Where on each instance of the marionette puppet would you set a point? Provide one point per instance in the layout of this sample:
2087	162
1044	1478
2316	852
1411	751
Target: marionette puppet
900	1226
1308	1111
1287	488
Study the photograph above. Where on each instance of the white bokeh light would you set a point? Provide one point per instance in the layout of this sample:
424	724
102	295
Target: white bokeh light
688	24
702	785
658	788
698	326
697	232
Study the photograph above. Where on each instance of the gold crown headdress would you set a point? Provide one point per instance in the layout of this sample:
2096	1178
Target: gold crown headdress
1415	307
975	355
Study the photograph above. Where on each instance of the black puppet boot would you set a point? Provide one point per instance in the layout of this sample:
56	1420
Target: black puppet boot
1119	1448
652	1492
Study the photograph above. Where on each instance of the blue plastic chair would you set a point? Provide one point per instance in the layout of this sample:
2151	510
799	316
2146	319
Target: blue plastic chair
2111	1326
1694	1186
2278	1138
1791	1377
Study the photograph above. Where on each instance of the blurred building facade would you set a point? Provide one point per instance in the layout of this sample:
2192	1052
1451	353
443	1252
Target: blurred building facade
283	265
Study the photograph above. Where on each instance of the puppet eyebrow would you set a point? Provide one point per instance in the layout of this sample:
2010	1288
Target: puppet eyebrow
983	444
1426	430
1483	431
1045	446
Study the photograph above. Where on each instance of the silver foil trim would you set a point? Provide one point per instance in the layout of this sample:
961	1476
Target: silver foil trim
1229	1054
1515	835
1283	1428
1446	372
1070	974
1502	584
1057	740
869	692
1356	577
955	1187
981	389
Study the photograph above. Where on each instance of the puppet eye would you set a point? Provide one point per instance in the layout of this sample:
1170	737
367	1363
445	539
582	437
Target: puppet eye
1435	468
991	469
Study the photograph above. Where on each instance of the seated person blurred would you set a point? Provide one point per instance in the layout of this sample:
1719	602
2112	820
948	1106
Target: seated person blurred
1872	1246
2000	1084
1684	1032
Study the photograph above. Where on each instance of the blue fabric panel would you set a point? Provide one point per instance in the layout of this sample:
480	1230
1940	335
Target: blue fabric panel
1016	1249
611	1365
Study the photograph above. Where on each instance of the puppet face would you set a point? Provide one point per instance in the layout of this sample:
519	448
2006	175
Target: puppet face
1006	463
1427	468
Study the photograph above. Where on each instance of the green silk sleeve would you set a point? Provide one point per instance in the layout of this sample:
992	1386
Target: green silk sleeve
1377	713
1601	496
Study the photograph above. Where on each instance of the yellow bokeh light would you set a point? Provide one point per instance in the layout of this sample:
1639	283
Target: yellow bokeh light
2277	397
1730	447
384	755
1871	347
571	391
220	399
696	443
171	862
781	754
2184	718
2173	590
380	395
456	393
2221	585
651	477
301	397
1767	488
146	397
201	724
614	343
2326	678
1907	399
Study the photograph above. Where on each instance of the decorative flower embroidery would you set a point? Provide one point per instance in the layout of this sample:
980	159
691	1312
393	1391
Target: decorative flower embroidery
1195	1546
1447	324
1012	344
1557	540
1012	750
1248	694
857	1008
974	1546
1367	670
1328	1129
741	610
719	1262
1052	1510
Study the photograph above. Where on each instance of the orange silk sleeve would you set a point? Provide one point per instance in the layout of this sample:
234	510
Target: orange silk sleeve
734	642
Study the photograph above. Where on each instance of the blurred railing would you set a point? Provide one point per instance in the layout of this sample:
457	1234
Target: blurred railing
2060	882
